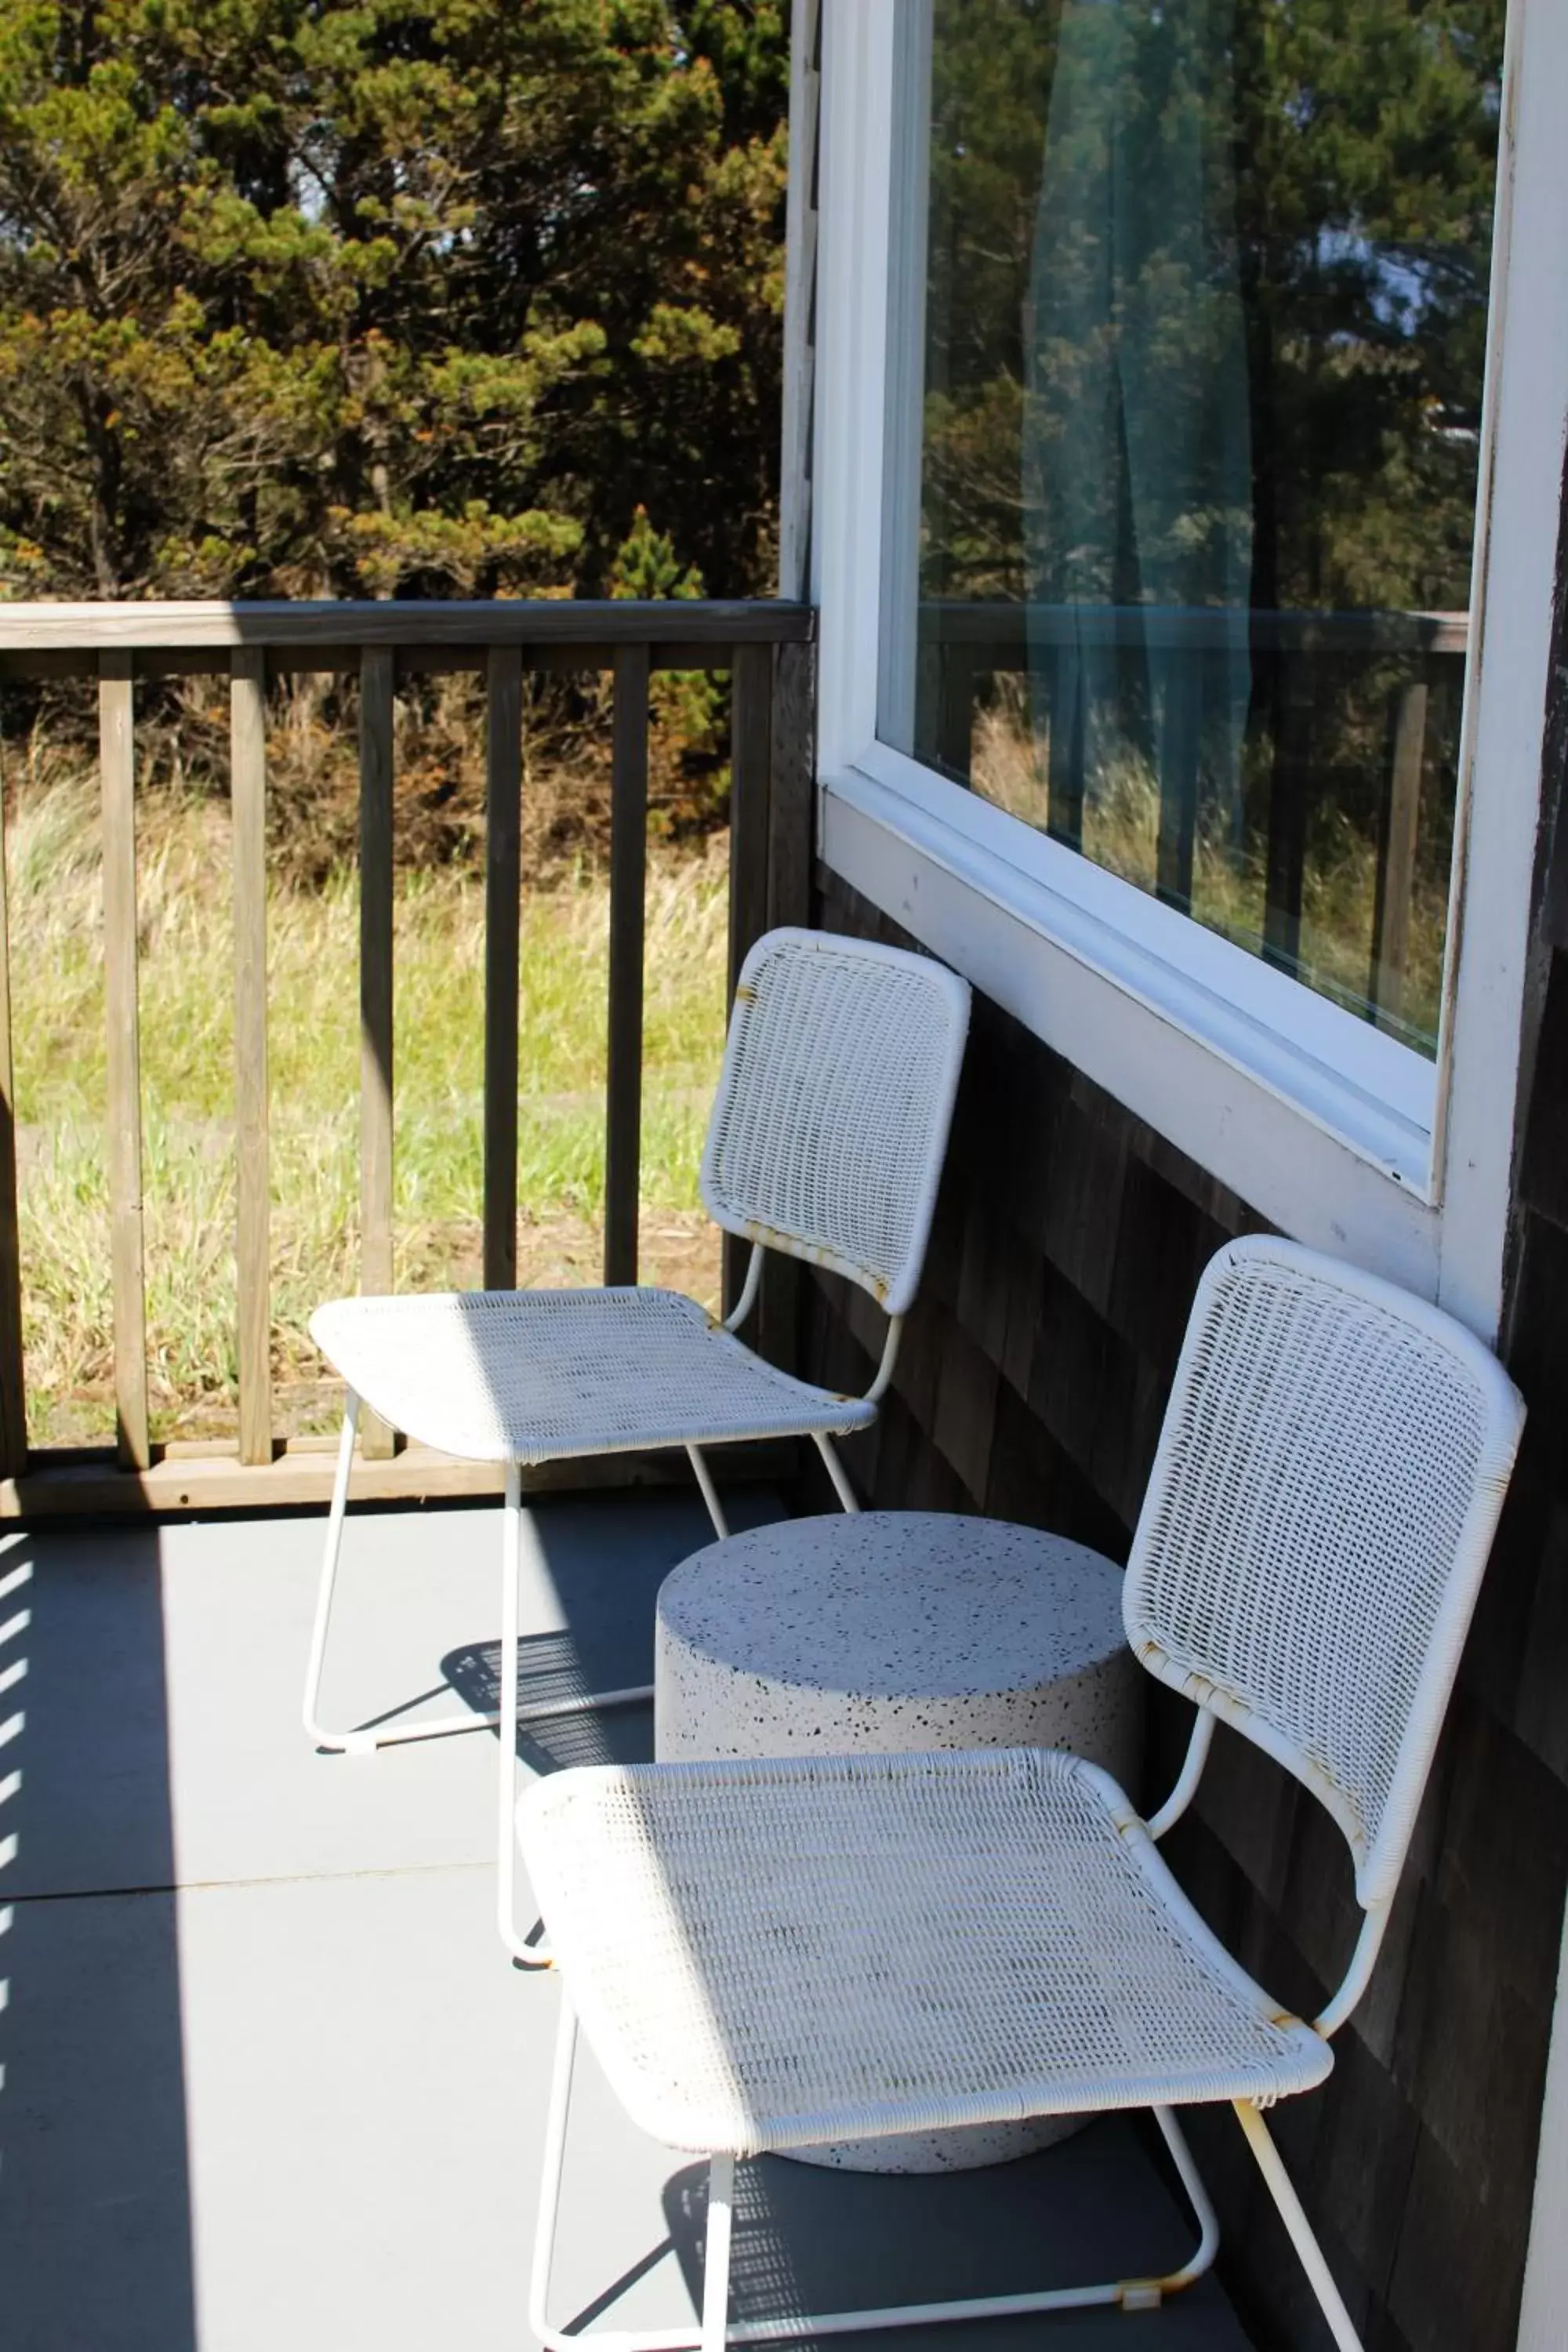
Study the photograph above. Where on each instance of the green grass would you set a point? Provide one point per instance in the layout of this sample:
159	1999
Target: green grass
186	1040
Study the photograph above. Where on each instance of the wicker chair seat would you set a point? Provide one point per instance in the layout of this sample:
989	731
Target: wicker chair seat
764	1955
539	1375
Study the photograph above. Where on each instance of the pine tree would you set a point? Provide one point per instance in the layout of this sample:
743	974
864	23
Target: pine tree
350	297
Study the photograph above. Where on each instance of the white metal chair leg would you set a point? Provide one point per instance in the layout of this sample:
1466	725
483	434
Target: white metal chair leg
1198	2198
346	1741
550	2176
716	2255
709	1492
1260	2140
712	2334
835	1471
511	1713
367	1739
506	1762
841	1487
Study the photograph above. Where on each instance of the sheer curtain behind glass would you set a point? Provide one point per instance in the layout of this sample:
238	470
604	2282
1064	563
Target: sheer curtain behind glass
1136	443
1188	322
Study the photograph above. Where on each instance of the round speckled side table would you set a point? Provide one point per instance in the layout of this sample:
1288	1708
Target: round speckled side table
895	1630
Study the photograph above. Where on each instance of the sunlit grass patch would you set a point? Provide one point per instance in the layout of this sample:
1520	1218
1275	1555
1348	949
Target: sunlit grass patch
55	886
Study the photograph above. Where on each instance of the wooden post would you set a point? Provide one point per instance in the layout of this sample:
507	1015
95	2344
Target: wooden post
792	797
13	1382
503	876
118	779
629	874
1177	736
791	846
1064	802
751	760
955	713
376	1441
1396	857
1290	790
247	791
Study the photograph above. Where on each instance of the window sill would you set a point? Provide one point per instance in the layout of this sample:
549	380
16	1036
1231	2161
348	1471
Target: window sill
1297	1138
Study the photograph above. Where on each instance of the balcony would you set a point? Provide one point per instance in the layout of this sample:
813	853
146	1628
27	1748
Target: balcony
268	2073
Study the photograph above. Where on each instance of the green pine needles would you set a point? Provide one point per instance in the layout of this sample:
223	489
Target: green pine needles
357	297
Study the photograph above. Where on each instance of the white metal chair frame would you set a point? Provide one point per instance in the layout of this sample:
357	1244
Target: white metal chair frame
826	1141
1273	1491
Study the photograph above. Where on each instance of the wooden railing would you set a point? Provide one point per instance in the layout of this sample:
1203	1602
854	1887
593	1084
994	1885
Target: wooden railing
766	649
1297	657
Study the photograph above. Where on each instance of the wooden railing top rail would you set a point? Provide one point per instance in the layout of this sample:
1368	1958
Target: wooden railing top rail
997	624
545	622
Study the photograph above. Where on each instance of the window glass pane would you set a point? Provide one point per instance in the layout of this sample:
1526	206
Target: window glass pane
1188	326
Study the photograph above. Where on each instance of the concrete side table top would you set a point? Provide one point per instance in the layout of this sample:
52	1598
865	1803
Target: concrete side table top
894	1630
893	1602
887	1630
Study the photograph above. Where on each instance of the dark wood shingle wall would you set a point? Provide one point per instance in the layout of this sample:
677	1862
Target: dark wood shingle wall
1068	1242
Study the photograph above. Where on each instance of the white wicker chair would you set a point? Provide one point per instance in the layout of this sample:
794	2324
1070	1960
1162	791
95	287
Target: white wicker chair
826	1142
769	1955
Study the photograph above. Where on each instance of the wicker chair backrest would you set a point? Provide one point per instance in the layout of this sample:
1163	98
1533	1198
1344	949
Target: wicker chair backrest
1333	1463
831	1121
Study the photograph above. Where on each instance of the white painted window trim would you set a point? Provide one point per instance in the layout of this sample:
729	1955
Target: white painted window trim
1328	1127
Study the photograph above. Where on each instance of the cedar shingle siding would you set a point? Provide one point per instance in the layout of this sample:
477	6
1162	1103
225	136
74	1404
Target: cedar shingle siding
1068	1242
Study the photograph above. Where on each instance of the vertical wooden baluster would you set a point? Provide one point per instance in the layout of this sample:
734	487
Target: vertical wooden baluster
13	1384
118	779
377	1441
955	714
247	791
791	845
1181	705
1290	795
1396	857
503	879
1065	756
629	874
751	764
930	668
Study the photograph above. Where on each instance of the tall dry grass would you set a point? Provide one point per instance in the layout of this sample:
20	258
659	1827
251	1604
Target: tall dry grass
55	886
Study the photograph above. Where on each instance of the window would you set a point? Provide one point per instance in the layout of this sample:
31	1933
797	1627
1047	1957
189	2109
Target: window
1185	567
1185	458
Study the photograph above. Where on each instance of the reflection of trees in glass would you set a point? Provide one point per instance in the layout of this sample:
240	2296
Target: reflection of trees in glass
1370	134
1135	455
1364	156
1136	431
1356	173
992	68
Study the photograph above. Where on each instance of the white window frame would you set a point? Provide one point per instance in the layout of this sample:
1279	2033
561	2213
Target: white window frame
1328	1127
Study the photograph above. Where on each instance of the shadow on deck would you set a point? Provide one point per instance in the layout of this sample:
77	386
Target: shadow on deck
269	2077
